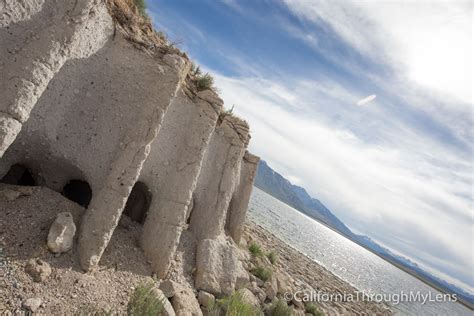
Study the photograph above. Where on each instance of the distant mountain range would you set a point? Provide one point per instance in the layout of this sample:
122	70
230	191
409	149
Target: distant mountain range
295	196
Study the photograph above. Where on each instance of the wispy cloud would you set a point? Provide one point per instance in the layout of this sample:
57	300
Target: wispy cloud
366	100
398	167
368	185
430	44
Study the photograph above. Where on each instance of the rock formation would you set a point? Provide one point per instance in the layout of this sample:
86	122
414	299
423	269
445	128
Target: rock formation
241	197
172	168
99	107
219	177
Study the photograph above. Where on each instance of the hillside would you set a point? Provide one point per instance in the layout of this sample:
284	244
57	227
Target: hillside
276	185
279	187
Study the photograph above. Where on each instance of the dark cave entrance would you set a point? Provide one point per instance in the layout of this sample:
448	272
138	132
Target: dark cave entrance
78	191
138	202
19	175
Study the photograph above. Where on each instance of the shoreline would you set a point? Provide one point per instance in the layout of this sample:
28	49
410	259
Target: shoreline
395	264
312	276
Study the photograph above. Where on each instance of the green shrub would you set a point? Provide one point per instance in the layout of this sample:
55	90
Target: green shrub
144	301
204	82
262	273
141	5
279	308
255	250
195	70
272	256
233	305
314	310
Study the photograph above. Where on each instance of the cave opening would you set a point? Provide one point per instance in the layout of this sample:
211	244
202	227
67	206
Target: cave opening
138	202
19	175
78	191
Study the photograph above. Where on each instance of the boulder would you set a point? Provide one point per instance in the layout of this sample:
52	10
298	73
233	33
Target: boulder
32	304
38	269
61	234
169	288
205	299
9	195
218	267
185	303
271	288
167	308
284	283
249	298
260	294
242	278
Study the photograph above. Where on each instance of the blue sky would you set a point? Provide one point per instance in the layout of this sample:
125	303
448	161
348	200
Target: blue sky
368	105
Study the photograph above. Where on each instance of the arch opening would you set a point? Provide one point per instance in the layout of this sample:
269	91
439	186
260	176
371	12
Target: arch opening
19	175
78	191
138	203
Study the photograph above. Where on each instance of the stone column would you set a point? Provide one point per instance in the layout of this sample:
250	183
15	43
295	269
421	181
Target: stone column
241	197
218	178
36	39
106	206
172	170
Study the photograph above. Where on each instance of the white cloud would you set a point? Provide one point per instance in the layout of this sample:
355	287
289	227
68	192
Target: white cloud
366	100
370	165
402	183
431	42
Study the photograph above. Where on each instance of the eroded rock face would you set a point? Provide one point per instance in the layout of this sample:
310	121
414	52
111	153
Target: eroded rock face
173	167
33	51
132	151
61	234
219	177
14	11
217	267
241	197
112	115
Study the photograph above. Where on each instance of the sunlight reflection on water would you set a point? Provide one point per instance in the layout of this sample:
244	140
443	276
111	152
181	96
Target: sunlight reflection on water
349	261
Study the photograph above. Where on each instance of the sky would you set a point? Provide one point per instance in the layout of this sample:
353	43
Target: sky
366	104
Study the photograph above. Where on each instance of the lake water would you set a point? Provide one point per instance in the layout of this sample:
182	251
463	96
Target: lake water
351	262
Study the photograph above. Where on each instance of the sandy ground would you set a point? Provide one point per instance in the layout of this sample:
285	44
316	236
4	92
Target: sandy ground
24	225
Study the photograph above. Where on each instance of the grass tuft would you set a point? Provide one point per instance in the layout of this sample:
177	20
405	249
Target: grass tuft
255	250
262	273
279	308
144	301
233	305
272	256
204	81
314	310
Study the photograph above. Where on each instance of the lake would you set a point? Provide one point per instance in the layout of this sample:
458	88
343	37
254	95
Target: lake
351	262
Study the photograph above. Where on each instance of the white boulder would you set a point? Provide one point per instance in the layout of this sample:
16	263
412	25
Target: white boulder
61	234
